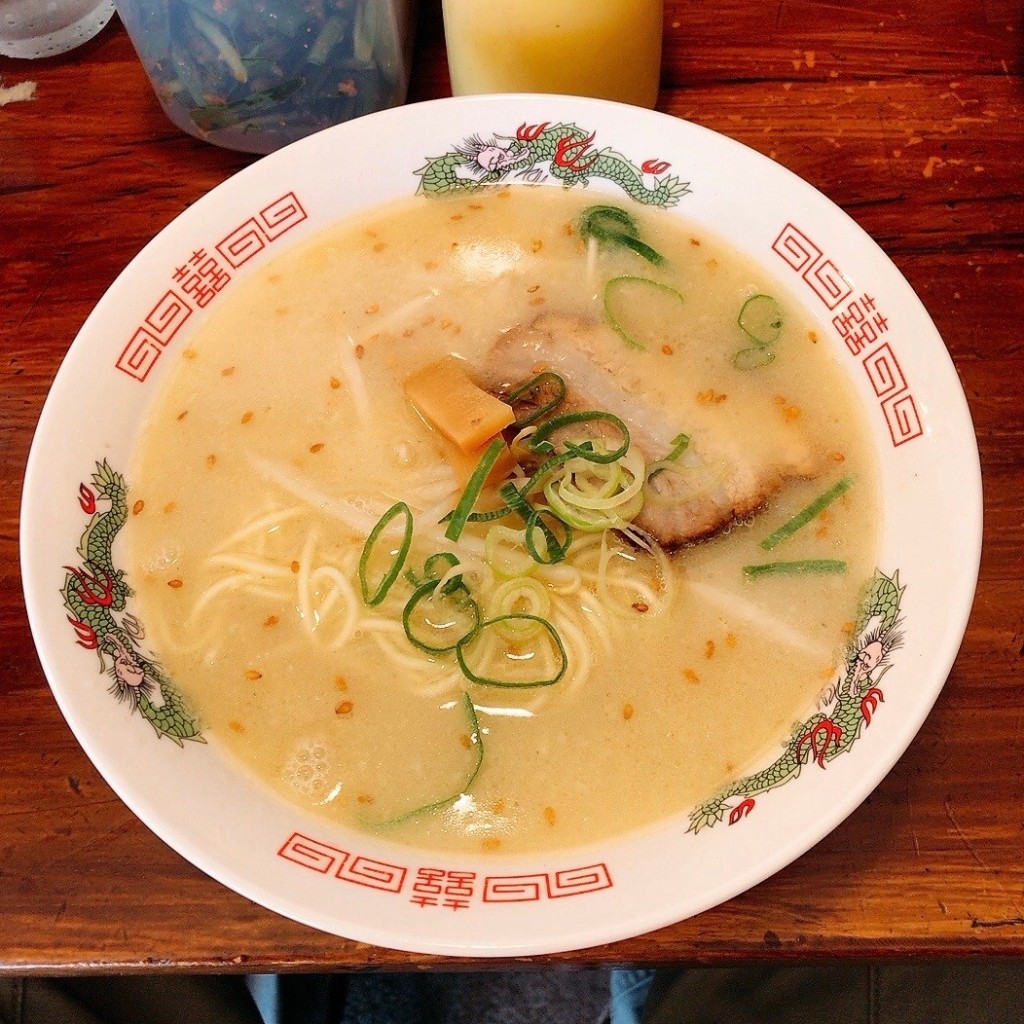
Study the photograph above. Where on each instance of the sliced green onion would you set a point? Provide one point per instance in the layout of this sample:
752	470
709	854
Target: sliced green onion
437	565
807	565
539	444
587	416
476	739
593	521
753	358
533	385
376	596
492	624
480	517
596	219
450	618
543	469
598	496
554	551
805	515
679	445
434	568
613	225
761	320
528	488
505	551
475	484
523	596
618	311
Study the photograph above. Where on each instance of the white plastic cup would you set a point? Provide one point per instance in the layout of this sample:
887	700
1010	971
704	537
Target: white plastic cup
46	28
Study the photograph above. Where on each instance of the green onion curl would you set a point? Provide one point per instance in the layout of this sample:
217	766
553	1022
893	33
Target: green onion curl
375	597
761	320
585	449
451	605
492	624
505	552
554	550
614	226
476	739
535	384
598	496
615	319
679	445
461	513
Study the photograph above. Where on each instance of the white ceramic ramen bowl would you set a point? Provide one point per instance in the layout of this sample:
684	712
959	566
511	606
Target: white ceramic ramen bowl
373	890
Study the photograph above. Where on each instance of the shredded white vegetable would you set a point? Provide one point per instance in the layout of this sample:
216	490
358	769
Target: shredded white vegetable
769	625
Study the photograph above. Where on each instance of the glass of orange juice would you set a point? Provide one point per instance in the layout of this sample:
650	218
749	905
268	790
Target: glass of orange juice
610	49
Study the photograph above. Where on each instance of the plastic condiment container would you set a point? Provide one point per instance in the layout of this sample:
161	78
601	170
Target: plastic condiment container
255	75
609	49
46	28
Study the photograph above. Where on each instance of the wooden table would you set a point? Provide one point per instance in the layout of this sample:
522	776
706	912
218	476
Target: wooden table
911	117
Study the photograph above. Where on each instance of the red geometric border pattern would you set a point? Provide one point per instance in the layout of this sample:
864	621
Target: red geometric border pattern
374	874
203	280
514	888
860	325
240	245
576	881
884	372
433	886
253	235
903	418
313	854
139	356
796	249
167	316
827	282
282	215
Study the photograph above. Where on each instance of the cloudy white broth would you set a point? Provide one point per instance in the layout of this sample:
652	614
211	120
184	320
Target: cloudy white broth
597	638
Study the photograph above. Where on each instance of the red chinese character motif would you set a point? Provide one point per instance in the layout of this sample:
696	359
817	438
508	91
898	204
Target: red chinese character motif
440	887
201	278
860	325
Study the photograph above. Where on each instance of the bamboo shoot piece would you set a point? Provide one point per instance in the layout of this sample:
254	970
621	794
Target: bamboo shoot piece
449	401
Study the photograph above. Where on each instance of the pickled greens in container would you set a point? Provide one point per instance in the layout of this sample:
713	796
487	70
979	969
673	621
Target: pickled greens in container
255	75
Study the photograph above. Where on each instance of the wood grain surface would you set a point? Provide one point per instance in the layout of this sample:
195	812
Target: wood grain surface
907	116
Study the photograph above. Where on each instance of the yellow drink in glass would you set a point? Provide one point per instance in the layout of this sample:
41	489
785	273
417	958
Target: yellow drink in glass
610	49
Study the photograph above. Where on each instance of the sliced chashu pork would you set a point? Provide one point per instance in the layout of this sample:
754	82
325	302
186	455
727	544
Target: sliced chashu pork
733	466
